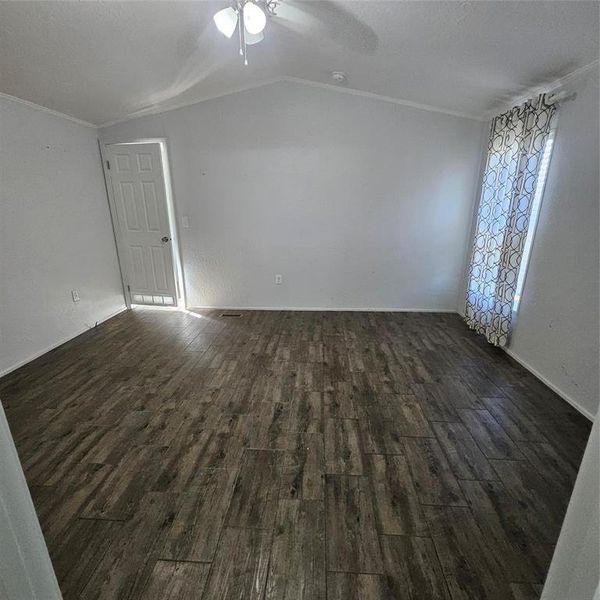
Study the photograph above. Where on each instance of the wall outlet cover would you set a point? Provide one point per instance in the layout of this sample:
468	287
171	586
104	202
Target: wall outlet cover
75	295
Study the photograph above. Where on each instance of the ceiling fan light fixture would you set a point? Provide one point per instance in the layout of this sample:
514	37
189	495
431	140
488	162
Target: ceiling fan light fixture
254	18
226	21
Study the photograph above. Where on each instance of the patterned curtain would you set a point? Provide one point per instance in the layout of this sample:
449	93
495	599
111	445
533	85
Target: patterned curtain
515	151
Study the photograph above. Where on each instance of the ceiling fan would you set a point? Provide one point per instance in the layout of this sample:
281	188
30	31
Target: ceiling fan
249	17
310	17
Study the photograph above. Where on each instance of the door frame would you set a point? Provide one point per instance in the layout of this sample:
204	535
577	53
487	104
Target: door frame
171	214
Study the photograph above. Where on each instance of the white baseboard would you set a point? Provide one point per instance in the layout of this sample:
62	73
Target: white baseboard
57	344
554	388
324	309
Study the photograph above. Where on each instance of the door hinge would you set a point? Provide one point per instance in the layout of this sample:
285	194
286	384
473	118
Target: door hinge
108	165
128	289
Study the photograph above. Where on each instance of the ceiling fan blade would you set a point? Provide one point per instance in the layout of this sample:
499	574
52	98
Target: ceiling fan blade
327	18
199	59
289	14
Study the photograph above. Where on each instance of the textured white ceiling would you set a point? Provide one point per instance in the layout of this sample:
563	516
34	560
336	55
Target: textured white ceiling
105	61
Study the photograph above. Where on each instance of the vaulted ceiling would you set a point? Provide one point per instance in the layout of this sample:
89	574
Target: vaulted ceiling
106	61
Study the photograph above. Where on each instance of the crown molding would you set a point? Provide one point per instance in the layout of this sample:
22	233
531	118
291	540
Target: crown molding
47	110
552	86
389	99
157	110
300	81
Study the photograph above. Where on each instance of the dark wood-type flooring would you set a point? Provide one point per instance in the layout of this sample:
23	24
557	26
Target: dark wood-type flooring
293	455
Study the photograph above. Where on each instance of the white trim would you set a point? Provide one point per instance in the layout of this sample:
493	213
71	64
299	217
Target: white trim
324	309
174	226
553	387
298	80
155	110
57	344
45	109
389	99
552	86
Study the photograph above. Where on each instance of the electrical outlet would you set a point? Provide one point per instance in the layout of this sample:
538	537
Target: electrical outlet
75	295
278	279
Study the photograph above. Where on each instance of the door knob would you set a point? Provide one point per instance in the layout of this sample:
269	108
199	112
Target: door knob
165	239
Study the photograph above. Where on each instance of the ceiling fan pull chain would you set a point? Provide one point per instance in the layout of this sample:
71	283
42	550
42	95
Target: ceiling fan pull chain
240	12
242	31
243	28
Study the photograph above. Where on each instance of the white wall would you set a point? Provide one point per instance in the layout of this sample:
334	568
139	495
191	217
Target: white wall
574	573
25	568
557	332
357	202
55	233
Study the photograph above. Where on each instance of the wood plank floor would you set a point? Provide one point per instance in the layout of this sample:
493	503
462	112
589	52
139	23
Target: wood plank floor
293	455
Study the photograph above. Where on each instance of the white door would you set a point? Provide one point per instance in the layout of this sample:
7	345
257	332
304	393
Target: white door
142	227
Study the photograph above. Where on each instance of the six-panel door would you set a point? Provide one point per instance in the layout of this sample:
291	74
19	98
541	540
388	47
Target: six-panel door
145	246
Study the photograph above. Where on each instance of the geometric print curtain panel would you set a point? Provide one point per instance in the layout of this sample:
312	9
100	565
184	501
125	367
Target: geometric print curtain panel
515	151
